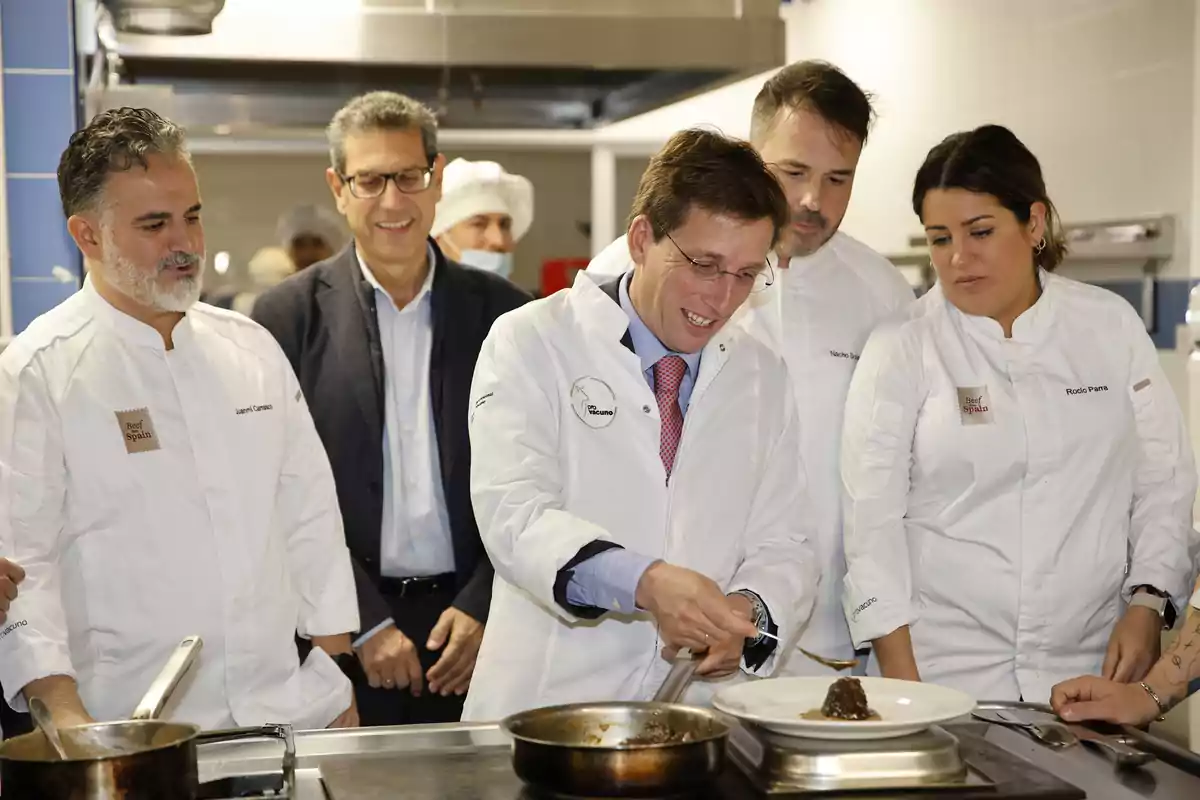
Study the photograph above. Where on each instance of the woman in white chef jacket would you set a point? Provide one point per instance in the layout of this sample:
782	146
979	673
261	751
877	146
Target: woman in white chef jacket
1018	482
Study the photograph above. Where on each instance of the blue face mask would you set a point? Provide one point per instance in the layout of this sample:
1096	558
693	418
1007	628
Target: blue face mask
488	261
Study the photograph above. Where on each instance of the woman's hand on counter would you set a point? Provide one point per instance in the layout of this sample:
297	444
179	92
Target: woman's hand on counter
1094	698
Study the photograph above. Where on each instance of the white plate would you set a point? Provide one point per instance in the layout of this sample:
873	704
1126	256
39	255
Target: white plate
904	707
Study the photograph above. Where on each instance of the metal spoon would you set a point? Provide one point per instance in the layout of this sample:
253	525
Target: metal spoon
832	663
1051	734
45	723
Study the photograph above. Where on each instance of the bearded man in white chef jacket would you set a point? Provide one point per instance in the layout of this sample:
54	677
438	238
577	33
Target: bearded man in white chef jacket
634	466
161	475
809	124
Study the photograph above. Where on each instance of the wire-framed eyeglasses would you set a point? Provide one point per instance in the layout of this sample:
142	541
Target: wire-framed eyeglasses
755	280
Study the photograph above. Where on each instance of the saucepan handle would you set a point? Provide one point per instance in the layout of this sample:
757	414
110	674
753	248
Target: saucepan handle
164	685
283	732
677	680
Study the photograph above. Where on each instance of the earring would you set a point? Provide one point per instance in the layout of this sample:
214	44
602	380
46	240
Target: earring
1040	246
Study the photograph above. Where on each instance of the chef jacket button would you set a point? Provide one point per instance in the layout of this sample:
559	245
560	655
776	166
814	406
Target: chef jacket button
722	348
645	409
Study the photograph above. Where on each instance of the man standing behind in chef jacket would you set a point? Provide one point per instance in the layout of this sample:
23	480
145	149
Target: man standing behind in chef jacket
634	467
809	123
160	475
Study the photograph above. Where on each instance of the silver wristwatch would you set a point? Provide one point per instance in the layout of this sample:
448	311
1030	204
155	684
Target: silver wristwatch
760	613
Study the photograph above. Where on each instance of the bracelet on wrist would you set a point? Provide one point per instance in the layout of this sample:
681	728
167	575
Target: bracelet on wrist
1163	708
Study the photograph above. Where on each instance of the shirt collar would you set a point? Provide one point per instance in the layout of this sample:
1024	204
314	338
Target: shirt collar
1029	328
647	346
422	293
131	329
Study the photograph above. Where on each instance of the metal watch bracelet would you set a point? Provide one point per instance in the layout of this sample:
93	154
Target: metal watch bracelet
760	613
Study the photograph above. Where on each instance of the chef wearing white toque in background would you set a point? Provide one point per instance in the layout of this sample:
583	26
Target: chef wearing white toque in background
483	213
309	234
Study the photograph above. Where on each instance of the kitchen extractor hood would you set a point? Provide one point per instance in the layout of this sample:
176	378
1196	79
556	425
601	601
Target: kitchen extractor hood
282	67
168	17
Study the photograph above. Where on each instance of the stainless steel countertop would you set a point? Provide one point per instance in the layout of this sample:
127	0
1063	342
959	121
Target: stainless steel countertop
1081	766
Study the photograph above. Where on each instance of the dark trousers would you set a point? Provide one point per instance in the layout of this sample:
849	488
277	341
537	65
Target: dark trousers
415	616
14	723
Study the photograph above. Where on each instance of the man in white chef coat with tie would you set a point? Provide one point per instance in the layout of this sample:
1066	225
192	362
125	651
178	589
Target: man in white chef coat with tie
634	467
809	123
160	474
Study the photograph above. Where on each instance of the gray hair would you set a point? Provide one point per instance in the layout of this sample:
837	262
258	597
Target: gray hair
114	141
387	111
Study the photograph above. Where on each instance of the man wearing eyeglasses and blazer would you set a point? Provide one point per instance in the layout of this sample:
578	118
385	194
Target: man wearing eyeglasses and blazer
384	337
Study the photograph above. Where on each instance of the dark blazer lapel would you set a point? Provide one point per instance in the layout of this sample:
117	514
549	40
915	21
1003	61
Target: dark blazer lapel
348	304
612	288
455	312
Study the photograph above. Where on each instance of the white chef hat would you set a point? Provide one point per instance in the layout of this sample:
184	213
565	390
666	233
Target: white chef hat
313	221
483	187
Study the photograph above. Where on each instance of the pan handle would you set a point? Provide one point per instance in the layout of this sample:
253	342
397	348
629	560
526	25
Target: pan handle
678	678
164	685
271	731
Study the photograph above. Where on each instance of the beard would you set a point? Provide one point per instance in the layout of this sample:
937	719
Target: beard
796	244
156	289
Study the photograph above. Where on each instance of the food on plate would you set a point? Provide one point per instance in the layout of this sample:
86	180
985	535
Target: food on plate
845	701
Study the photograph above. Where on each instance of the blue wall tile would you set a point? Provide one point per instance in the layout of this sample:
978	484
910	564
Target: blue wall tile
31	299
39	118
1170	305
38	238
36	33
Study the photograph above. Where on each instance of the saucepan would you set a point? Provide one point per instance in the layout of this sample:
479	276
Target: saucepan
137	759
621	749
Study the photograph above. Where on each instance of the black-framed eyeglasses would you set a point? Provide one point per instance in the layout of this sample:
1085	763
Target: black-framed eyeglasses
755	280
369	185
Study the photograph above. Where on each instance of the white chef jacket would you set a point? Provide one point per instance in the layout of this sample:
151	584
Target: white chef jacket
565	451
1004	495
153	494
817	314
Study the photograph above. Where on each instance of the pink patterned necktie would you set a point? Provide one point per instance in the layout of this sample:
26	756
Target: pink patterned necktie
668	375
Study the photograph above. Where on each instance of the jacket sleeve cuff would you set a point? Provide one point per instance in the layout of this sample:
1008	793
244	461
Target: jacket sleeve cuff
608	580
336	612
19	669
1160	579
362	639
562	581
475	598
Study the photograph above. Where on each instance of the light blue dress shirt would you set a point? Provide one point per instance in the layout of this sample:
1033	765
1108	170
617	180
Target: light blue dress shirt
609	580
415	539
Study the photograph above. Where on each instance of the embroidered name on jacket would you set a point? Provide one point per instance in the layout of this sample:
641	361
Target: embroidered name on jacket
842	354
1086	389
253	409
